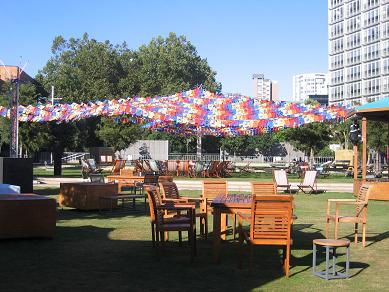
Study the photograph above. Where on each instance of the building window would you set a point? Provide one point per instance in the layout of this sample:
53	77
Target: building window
353	40
353	24
372	86
353	8
337	46
371	69
371	17
385	66
371	52
370	4
385	12
372	34
354	73
354	57
354	90
385	84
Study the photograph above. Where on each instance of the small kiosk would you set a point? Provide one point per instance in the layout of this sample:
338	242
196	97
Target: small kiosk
374	111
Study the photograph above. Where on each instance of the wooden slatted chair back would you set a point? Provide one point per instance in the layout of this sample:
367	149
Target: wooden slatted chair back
118	165
260	188
212	170
271	219
309	178
169	190
150	179
280	177
154	198
212	188
362	197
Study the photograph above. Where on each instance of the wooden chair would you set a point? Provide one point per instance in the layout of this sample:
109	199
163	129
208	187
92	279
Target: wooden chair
88	166
160	224
212	170
211	188
260	188
270	224
117	166
170	193
309	182
360	204
280	179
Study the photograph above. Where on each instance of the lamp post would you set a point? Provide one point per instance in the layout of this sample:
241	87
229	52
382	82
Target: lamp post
14	115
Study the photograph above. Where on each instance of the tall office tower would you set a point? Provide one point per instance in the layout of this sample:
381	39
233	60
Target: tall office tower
358	33
264	88
308	84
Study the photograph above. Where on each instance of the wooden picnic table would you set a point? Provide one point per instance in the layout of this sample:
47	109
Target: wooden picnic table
226	204
125	180
131	180
223	205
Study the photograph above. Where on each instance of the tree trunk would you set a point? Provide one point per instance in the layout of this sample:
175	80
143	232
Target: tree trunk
312	158
345	146
57	157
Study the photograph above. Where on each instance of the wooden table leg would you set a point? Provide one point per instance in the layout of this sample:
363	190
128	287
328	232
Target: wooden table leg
223	227
216	234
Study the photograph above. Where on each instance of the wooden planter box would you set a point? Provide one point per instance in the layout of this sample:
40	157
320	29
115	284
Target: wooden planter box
27	215
86	196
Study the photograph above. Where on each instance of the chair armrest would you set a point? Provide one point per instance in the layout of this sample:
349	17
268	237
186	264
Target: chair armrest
175	201
172	207
193	199
341	200
350	203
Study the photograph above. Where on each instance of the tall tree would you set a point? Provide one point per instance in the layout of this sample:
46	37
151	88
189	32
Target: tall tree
310	138
250	145
168	65
81	70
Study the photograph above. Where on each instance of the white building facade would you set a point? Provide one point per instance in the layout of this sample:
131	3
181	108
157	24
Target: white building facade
308	84
358	32
264	88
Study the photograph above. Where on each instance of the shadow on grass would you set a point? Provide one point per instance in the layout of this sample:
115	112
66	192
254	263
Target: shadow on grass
71	214
84	258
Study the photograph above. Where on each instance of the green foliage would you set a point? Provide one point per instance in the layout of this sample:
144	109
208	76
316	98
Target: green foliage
168	65
326	152
311	137
118	135
32	136
377	135
340	132
250	145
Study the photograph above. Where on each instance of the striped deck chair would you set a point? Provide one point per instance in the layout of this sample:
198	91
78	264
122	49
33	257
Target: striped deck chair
309	182
280	179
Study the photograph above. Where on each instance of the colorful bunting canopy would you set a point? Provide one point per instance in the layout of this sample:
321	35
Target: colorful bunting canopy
193	112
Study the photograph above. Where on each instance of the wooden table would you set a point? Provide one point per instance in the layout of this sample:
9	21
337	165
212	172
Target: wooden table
131	180
86	196
27	215
226	204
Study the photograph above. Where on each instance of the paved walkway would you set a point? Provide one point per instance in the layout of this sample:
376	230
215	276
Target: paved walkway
238	186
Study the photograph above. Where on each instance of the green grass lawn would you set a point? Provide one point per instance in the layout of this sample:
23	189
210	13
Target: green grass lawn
112	252
75	171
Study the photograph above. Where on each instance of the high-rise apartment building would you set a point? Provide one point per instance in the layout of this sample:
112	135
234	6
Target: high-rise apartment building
308	84
264	88
358	32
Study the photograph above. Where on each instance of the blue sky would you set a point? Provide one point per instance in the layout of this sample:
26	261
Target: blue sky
238	38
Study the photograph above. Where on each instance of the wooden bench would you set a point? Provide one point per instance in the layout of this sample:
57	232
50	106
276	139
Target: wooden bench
114	199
